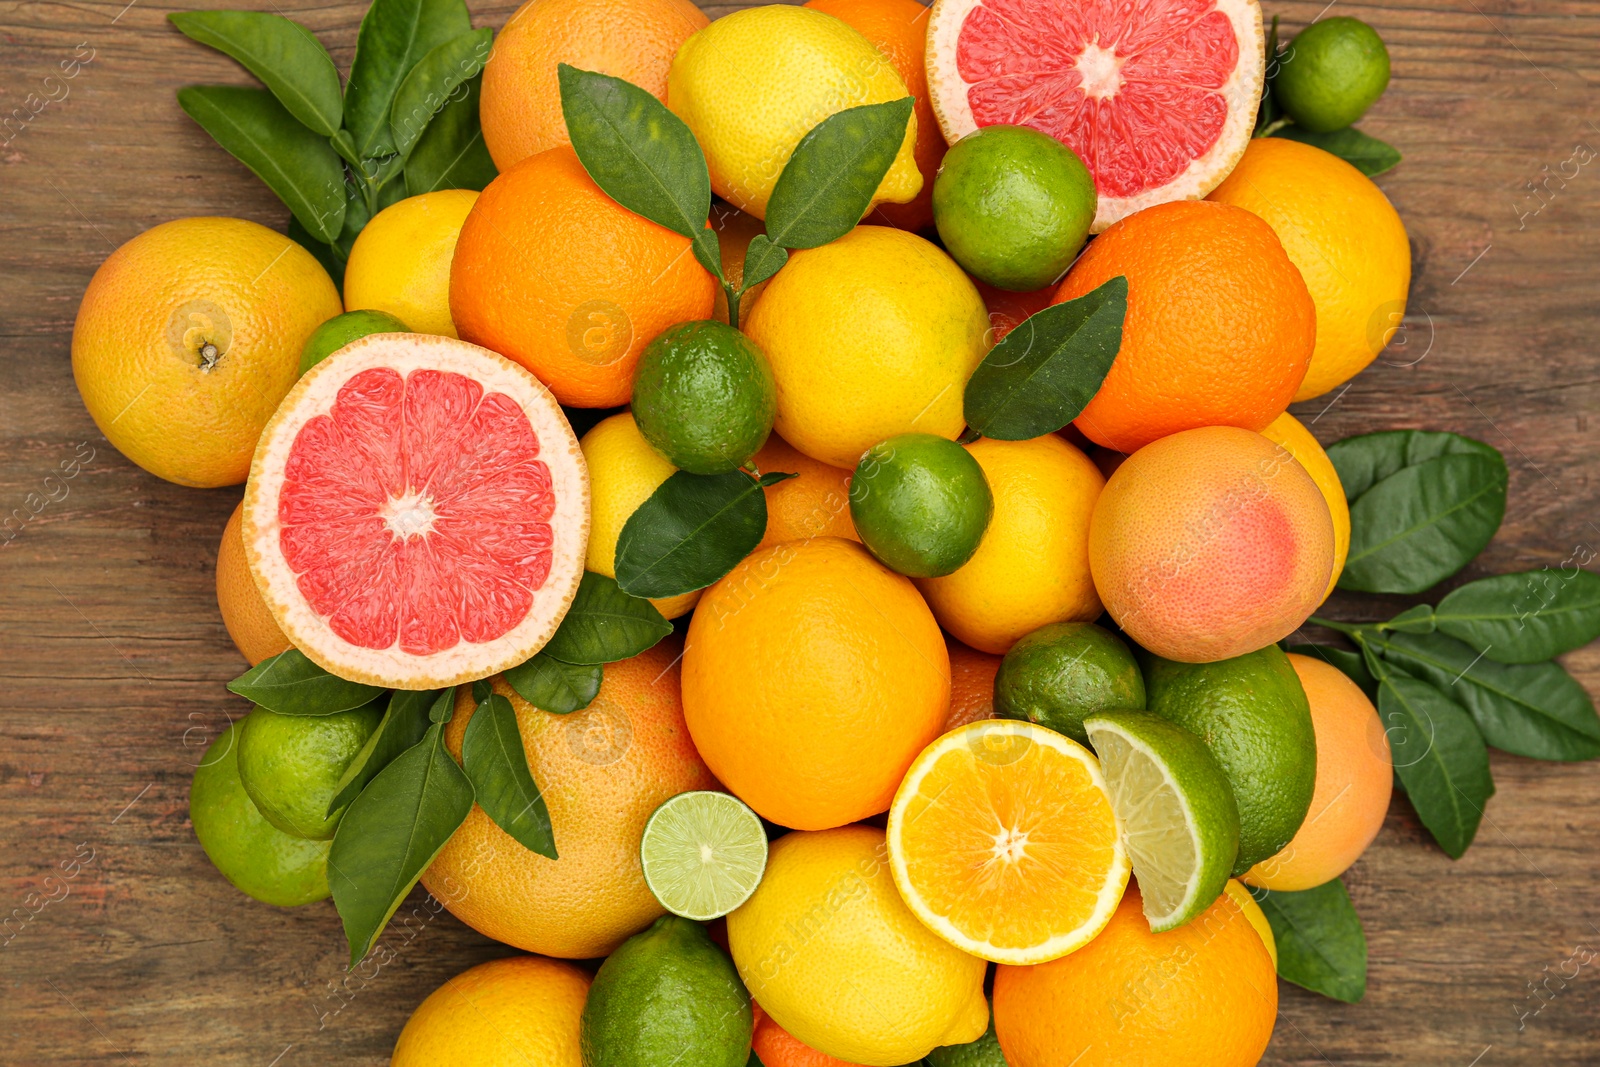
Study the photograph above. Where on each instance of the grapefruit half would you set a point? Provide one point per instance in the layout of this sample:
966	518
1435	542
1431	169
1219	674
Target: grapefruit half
1157	97
417	512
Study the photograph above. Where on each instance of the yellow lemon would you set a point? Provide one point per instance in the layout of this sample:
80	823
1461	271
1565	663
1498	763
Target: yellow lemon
523	1009
1291	433
1257	918
753	83
400	263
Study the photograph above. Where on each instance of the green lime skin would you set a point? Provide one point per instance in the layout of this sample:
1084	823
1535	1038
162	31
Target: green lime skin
291	764
340	330
1331	73
1061	673
1253	713
667	996
920	503
704	397
258	858
1013	206
984	1052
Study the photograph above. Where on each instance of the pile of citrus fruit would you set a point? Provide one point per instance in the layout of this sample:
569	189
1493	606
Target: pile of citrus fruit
889	671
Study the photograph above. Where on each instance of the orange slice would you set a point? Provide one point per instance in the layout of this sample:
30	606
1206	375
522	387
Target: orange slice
1002	840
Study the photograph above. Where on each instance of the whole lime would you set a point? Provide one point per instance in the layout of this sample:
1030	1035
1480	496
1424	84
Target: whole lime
1062	673
1254	714
920	503
1013	206
340	330
704	397
258	858
667	996
984	1052
291	764
1331	73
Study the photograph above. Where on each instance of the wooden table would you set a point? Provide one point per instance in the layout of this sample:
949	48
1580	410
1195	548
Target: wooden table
113	658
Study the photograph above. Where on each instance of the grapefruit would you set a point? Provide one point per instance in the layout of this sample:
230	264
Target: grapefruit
417	512
1157	97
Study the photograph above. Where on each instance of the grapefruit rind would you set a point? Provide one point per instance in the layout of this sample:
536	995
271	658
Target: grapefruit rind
465	661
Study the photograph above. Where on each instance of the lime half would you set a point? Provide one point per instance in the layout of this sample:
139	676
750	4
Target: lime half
703	854
1177	811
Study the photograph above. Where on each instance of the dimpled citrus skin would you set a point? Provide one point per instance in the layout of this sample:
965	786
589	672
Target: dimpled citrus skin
1291	433
1345	237
1032	566
1219	328
400	262
519	1010
869	336
814	504
552	273
249	621
812	677
971	684
1210	543
1203	995
834	956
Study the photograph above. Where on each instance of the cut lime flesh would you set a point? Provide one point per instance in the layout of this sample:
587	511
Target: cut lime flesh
703	854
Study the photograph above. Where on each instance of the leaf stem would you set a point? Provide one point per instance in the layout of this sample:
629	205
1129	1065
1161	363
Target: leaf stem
1350	629
734	295
1274	126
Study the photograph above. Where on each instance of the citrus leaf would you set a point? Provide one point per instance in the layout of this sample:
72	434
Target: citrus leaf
826	186
1043	373
1367	459
1321	944
290	684
605	624
691	531
1526	617
1417	620
451	154
404	723
553	686
436	79
497	765
286	56
1424	523
394	36
1367	154
762	260
1351	663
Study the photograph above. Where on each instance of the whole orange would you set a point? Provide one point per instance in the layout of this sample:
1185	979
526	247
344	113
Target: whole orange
815	504
971	684
1203	995
551	272
603	771
249	621
634	40
517	1010
1219	329
812	677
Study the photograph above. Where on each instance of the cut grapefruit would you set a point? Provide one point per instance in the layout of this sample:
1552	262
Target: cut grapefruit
1157	97
417	512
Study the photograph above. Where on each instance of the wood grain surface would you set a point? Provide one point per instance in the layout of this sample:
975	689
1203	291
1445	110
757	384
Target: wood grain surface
113	658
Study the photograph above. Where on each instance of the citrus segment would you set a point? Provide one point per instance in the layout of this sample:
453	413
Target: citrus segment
703	853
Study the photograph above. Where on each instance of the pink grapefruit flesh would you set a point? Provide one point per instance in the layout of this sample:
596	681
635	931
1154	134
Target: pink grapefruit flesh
1157	97
417	513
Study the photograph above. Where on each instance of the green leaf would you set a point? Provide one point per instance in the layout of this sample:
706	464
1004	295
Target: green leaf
443	708
827	184
1367	459
1367	154
297	164
450	153
691	531
285	55
391	832
1526	617
404	723
762	260
492	753
1045	371
605	624
1535	710
1351	663
1417	620
438	78
641	154
1321	944
290	684
556	687
394	36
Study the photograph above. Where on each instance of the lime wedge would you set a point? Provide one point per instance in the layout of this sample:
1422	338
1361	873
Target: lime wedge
1176	809
703	854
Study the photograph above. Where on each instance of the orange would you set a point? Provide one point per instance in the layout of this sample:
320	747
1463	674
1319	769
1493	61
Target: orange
777	1047
971	684
1002	840
1289	432
1219	327
603	771
899	29
188	337
551	272
250	623
812	677
1032	566
634	40
816	504
1007	310
1203	995
504	1013
1355	776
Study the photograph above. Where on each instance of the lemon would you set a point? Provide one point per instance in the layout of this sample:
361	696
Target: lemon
831	952
401	261
870	336
1252	911
753	83
1289	432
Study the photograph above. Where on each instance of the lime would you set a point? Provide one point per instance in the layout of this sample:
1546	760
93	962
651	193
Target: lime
340	330
291	765
1331	73
257	857
703	854
1178	815
1253	714
667	996
1060	673
1013	206
920	504
984	1052
704	397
